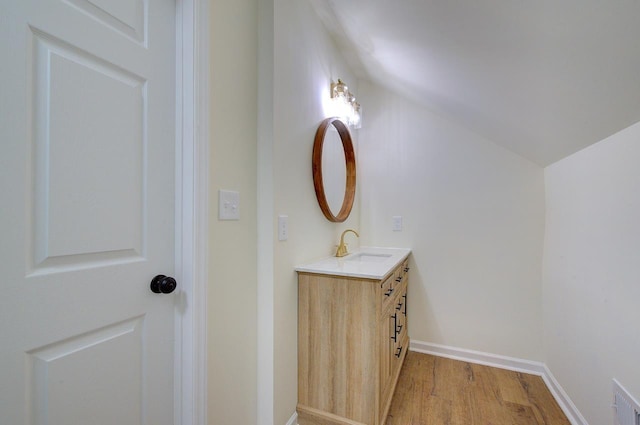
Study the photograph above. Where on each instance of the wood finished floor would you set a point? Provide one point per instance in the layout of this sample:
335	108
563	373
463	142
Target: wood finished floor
438	391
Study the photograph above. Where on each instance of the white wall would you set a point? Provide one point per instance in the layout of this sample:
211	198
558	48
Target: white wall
474	217
305	62
592	272
232	289
265	312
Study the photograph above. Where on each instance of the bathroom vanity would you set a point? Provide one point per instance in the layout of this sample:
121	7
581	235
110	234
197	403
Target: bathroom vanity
352	336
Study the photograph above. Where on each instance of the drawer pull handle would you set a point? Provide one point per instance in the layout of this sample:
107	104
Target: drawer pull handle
398	329
399	349
405	304
394	337
406	269
389	292
399	279
399	307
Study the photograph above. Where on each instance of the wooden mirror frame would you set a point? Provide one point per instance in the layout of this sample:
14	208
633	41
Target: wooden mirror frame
350	162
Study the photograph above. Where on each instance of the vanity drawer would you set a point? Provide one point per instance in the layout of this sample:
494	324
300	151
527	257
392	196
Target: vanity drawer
399	352
404	269
401	308
387	291
392	286
400	312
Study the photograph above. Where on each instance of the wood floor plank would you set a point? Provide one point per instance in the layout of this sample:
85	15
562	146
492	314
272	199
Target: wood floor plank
486	398
518	414
438	391
542	402
510	386
450	377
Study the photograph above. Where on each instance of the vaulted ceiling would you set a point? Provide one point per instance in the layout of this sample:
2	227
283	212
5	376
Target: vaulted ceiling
542	78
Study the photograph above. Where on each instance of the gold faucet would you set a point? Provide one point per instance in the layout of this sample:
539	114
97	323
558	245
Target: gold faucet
342	248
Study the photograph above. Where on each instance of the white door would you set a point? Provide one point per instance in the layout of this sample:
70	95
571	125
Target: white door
87	141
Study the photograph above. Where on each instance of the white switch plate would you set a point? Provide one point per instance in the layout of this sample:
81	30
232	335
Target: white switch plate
283	227
397	223
228	205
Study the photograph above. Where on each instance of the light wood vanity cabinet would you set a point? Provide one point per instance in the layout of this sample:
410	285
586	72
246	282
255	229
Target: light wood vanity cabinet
352	341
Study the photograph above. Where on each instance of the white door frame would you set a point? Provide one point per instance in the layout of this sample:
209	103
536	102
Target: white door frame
192	139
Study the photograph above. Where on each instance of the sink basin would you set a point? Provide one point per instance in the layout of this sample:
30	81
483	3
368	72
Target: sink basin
368	262
366	257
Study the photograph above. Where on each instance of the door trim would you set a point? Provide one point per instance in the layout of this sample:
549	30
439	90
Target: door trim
192	170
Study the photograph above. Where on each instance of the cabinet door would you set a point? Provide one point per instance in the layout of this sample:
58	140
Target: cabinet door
401	340
390	341
386	329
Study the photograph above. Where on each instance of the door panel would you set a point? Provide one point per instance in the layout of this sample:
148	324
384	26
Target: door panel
67	388
87	111
88	193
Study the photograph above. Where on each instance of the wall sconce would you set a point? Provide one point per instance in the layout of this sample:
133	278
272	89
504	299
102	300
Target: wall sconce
344	104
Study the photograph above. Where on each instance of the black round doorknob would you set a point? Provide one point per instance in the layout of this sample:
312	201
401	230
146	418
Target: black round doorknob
162	284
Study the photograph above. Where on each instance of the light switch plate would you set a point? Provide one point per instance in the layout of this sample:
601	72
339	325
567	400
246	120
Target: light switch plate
397	223
228	205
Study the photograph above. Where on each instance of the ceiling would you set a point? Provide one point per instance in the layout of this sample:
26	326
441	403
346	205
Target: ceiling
543	78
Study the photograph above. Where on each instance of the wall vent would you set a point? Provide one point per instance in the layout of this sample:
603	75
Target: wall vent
627	409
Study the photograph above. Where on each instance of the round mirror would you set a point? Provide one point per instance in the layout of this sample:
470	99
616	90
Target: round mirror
334	169
334	173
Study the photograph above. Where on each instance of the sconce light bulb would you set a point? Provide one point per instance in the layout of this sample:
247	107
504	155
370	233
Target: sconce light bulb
339	89
345	105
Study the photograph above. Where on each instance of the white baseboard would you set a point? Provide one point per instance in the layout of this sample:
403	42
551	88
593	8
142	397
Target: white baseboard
567	406
509	363
478	357
293	420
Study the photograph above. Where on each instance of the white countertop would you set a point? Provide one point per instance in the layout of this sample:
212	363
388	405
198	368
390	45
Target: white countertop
366	262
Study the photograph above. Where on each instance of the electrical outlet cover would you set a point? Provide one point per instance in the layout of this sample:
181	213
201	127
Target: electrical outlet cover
283	227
